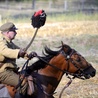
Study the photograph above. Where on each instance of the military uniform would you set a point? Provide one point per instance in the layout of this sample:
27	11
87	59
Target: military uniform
8	55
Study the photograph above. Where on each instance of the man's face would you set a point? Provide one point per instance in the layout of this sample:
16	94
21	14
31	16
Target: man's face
12	34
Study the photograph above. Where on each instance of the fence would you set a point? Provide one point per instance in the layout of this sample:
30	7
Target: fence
51	7
65	5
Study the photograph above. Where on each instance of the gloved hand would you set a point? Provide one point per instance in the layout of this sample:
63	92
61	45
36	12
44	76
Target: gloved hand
21	53
38	19
32	54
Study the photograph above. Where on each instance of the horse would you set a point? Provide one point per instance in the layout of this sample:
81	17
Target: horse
55	64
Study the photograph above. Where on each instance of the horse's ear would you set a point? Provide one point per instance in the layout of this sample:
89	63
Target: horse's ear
62	43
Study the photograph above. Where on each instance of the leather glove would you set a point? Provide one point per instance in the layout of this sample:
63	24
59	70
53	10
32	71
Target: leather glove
38	19
32	54
21	53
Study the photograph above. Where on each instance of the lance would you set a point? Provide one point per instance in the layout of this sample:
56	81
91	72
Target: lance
38	20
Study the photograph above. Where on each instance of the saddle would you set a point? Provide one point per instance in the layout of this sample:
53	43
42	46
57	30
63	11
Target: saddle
10	91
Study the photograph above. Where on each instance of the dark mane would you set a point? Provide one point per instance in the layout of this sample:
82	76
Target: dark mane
52	53
49	53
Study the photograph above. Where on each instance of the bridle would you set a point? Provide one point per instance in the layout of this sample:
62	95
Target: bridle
80	72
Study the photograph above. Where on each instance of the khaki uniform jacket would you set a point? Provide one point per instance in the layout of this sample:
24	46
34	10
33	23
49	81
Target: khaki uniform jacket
8	53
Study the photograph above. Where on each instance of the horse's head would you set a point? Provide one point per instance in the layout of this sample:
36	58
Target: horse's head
76	63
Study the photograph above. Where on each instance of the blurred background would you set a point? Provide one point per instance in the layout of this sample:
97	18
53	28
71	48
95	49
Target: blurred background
75	22
22	9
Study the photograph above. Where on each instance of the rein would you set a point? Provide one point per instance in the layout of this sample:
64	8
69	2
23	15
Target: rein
70	81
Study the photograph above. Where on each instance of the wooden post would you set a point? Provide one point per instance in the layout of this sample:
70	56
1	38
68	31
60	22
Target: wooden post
65	5
33	4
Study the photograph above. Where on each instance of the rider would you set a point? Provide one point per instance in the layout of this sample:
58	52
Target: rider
9	52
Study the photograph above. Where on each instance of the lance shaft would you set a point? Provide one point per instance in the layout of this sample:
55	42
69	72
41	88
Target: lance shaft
31	40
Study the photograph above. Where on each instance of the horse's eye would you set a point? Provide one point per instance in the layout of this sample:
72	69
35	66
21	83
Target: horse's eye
78	60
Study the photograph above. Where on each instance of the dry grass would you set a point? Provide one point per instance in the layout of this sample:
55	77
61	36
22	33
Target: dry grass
81	35
61	28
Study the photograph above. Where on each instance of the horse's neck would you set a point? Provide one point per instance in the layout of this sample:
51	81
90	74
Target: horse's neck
57	61
50	75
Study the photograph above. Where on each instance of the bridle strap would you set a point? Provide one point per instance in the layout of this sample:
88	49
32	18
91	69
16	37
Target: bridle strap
69	82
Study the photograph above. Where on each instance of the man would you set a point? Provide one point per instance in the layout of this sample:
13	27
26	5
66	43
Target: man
9	52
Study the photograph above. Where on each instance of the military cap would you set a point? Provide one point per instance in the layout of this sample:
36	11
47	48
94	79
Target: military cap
8	27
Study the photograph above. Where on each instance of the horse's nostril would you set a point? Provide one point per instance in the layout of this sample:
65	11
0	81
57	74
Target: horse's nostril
93	73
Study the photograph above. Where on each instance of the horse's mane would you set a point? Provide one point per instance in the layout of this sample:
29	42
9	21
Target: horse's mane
48	54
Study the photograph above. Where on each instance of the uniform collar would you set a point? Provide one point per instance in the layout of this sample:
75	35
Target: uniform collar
6	38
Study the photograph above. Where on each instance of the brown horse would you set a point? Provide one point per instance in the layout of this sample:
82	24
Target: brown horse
57	63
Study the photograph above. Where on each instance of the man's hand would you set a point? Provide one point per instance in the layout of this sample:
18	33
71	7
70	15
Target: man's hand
38	19
32	54
21	53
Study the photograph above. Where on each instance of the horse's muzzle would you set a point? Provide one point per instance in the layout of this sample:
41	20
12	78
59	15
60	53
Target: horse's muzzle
89	72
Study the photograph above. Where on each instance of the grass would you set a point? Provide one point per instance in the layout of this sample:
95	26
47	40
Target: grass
73	17
24	16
